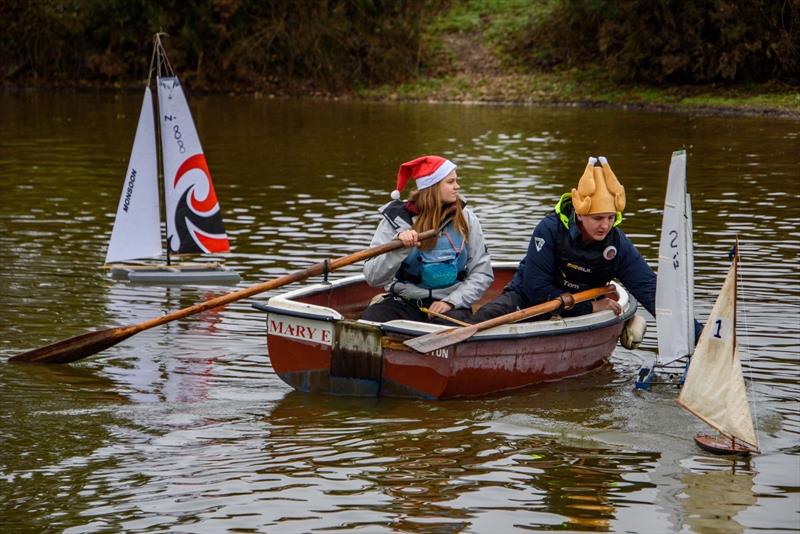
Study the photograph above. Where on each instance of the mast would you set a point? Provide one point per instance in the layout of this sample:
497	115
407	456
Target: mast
689	272
160	58
735	300
735	288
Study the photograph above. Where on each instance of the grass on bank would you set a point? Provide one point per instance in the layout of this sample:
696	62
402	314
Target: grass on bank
466	45
573	87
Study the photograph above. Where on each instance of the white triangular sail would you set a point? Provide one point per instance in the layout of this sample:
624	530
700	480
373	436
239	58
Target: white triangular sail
194	223
137	232
675	286
714	389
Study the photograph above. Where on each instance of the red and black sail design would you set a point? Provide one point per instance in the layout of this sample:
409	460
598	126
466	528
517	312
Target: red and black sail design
198	226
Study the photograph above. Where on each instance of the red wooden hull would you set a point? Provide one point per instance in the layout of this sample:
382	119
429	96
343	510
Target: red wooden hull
316	344
723	445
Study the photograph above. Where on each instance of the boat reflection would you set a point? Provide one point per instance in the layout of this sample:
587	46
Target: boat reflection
713	500
171	363
444	465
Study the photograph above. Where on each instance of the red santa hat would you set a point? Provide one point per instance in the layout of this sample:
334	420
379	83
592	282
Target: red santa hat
425	170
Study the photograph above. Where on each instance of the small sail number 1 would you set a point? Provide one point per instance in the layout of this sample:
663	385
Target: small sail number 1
720	329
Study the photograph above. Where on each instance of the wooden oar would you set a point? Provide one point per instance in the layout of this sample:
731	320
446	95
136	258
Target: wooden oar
75	348
443	316
445	338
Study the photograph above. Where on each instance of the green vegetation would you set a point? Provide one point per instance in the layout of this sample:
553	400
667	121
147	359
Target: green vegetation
289	46
715	54
722	55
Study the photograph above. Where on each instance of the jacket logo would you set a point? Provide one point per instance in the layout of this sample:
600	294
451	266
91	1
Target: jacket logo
579	268
610	252
539	243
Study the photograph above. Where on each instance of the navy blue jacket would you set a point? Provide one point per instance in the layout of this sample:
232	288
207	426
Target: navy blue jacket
537	278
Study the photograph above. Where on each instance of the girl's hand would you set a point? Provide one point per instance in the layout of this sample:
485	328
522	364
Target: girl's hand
410	238
440	306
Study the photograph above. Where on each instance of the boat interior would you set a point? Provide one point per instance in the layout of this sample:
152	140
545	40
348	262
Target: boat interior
352	298
347	298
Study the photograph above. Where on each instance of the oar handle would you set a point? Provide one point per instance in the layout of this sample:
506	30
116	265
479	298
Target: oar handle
544	307
314	270
443	316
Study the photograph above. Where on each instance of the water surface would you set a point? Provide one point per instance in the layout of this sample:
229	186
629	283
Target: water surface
186	428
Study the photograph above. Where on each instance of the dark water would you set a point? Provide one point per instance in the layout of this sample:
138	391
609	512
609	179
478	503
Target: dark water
185	428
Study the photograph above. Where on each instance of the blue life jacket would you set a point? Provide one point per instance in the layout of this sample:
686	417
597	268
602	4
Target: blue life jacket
438	267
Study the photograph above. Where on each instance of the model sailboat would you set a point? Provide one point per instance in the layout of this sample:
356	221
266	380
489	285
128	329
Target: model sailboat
675	285
193	219
714	388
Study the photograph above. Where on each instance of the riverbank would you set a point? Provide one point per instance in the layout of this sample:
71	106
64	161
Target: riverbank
475	74
566	90
479	58
711	101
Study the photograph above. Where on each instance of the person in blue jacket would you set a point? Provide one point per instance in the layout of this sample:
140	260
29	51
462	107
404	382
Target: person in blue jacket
578	246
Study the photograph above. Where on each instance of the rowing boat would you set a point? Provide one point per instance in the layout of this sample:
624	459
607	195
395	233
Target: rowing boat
318	344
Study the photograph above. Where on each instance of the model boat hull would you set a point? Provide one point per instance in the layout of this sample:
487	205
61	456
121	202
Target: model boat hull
723	445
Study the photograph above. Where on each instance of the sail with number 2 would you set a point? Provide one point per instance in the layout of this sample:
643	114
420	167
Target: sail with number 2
675	287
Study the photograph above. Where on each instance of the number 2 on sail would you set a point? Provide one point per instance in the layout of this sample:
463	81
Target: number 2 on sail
673	244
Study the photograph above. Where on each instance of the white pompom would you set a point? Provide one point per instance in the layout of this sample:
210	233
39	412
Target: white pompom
603	160
592	160
396	194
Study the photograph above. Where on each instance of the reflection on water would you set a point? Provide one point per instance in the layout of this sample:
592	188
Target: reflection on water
429	469
714	500
186	427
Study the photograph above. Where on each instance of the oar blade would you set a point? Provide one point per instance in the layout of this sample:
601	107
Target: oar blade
440	339
75	348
